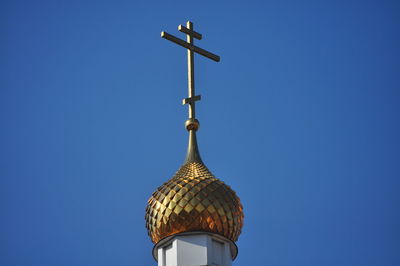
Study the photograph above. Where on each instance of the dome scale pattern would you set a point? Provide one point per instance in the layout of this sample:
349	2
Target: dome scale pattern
194	200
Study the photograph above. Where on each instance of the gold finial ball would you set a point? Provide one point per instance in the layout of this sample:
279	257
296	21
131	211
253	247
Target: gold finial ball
192	124
194	200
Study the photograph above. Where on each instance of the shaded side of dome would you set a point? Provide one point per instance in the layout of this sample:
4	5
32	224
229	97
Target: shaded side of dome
194	200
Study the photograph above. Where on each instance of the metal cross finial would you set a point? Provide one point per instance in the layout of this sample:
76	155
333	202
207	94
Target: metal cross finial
189	44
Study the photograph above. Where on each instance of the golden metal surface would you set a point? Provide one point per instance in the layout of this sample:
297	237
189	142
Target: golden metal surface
192	154
194	200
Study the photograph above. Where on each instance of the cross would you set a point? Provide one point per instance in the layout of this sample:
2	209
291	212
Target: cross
191	49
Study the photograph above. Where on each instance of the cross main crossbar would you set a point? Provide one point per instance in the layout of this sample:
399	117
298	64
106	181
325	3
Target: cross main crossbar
193	48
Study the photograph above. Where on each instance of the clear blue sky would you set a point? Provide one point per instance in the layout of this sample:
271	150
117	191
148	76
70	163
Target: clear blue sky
300	117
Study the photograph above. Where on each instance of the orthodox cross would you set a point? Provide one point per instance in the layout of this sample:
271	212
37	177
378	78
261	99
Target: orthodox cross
191	49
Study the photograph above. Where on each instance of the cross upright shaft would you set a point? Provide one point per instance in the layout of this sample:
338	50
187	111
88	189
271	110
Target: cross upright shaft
191	93
189	45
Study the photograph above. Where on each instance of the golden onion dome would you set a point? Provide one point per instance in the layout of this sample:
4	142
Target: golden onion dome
194	200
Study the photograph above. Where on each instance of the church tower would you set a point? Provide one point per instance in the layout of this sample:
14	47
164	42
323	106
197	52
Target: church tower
194	218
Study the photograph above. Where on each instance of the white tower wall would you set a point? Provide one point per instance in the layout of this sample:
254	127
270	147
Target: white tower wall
194	249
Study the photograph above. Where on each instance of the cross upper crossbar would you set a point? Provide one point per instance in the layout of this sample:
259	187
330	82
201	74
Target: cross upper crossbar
196	35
